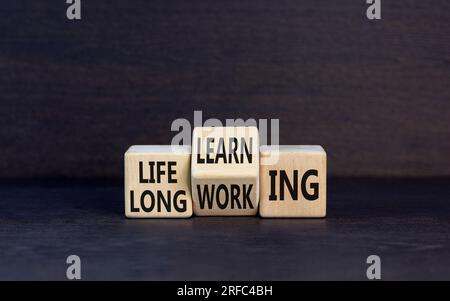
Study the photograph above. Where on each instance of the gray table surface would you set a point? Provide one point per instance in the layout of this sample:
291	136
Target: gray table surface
405	222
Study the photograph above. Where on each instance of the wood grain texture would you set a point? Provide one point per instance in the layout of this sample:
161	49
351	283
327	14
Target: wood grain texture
296	185
75	95
225	171
157	182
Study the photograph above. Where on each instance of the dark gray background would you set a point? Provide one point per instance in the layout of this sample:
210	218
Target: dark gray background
75	95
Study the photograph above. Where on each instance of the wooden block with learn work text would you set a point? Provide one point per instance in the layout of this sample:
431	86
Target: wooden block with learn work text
225	171
157	181
295	185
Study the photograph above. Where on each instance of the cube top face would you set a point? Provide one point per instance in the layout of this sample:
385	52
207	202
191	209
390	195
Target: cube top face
157	149
225	170
294	186
157	182
267	150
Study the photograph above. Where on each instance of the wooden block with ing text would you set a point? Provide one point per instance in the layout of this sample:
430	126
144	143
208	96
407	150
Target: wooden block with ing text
294	183
225	171
157	181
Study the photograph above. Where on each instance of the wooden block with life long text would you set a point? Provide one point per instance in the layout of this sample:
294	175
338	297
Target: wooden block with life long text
294	184
157	181
225	171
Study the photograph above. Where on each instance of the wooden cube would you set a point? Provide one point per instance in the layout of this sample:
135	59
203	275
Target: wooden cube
225	171
295	185
157	181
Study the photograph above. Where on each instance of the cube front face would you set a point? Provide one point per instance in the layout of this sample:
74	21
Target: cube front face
157	182
225	171
294	186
